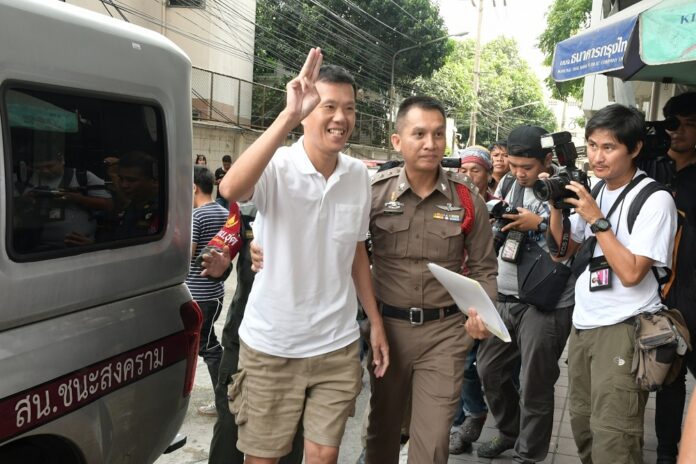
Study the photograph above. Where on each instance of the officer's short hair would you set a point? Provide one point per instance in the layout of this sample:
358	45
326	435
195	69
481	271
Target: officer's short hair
336	75
683	105
203	179
423	102
625	123
227	159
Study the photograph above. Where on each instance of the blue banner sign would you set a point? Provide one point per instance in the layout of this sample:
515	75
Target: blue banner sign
597	50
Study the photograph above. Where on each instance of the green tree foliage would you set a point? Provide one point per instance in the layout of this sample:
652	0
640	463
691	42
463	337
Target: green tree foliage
563	20
506	81
361	35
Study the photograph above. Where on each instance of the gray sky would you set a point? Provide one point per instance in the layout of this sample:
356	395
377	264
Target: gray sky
522	20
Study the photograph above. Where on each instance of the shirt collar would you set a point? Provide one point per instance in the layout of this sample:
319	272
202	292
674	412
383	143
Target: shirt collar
442	185
303	164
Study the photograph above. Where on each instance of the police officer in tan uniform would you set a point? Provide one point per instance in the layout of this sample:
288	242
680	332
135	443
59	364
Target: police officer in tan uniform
417	217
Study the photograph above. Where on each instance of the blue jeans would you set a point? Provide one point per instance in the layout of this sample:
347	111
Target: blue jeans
472	402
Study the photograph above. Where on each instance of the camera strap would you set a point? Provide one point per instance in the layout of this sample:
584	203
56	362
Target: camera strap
565	236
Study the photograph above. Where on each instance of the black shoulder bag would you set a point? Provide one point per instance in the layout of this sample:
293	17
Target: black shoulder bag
540	280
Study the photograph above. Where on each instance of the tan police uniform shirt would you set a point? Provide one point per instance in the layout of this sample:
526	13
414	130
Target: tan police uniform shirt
408	232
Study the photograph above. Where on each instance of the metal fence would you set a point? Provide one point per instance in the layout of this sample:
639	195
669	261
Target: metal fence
221	98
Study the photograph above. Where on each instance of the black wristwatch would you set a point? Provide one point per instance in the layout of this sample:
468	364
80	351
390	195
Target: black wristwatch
543	225
600	225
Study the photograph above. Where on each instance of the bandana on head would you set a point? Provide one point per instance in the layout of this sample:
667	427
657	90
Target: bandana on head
476	154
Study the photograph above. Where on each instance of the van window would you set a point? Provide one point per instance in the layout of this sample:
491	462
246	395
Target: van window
85	172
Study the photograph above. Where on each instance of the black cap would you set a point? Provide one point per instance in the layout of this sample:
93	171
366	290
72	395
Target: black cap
526	141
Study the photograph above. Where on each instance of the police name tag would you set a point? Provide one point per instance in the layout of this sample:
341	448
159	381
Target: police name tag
393	207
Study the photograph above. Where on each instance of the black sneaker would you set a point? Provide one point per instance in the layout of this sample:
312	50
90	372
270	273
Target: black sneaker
494	448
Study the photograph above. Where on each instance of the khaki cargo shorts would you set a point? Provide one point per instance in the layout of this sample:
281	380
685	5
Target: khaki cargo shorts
269	394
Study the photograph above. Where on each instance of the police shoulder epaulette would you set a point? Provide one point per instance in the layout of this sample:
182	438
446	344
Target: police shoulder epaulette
382	175
463	179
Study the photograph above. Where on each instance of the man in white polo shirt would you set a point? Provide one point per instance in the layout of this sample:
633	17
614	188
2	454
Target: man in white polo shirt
299	338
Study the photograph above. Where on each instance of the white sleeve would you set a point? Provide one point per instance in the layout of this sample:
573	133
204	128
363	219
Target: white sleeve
367	205
263	185
654	229
577	228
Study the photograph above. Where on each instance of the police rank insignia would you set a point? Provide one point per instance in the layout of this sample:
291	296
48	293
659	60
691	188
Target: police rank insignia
393	207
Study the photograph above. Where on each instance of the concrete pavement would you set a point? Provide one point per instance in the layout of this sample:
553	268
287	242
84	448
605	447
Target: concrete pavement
199	428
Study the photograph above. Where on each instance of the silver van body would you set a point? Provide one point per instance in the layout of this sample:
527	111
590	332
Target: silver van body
96	344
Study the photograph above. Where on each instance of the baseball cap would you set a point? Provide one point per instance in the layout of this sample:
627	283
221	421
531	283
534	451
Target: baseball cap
526	141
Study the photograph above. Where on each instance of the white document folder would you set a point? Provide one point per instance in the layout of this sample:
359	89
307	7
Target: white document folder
468	293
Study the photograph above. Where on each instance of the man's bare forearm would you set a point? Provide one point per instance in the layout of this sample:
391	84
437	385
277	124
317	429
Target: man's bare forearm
238	183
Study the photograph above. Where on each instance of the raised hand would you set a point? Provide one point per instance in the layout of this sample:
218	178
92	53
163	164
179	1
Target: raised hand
302	96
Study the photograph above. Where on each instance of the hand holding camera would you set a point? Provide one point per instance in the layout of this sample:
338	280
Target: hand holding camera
584	204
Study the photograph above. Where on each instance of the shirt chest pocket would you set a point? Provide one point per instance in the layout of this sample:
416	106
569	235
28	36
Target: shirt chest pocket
390	236
346	223
444	241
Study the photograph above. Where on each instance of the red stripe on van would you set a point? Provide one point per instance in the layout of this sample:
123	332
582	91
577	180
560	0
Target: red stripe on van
38	405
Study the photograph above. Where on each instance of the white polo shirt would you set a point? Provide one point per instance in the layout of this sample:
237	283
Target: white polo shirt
652	237
303	303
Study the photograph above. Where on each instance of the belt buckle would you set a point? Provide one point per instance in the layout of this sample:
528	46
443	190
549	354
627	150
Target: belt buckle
411	312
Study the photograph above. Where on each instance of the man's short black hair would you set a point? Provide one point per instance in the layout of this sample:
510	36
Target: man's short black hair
203	179
227	159
683	105
498	144
140	160
423	102
336	75
625	123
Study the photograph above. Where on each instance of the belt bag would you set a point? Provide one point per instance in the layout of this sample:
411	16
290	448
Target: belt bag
540	280
661	340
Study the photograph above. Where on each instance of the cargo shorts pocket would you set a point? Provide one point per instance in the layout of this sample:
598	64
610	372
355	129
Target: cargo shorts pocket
238	398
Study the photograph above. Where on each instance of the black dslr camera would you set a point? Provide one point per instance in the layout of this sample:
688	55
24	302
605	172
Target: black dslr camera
553	189
496	209
657	140
653	157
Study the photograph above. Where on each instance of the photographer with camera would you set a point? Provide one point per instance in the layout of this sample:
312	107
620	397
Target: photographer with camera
606	404
538	329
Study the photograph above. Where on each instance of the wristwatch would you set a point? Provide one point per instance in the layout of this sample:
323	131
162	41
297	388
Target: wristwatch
543	225
600	225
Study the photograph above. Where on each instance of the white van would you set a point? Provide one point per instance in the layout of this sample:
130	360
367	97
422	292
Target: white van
98	333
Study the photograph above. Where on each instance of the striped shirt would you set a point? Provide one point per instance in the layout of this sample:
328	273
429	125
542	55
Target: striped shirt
207	221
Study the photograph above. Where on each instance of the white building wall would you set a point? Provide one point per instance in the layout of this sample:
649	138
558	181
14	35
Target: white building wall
219	38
